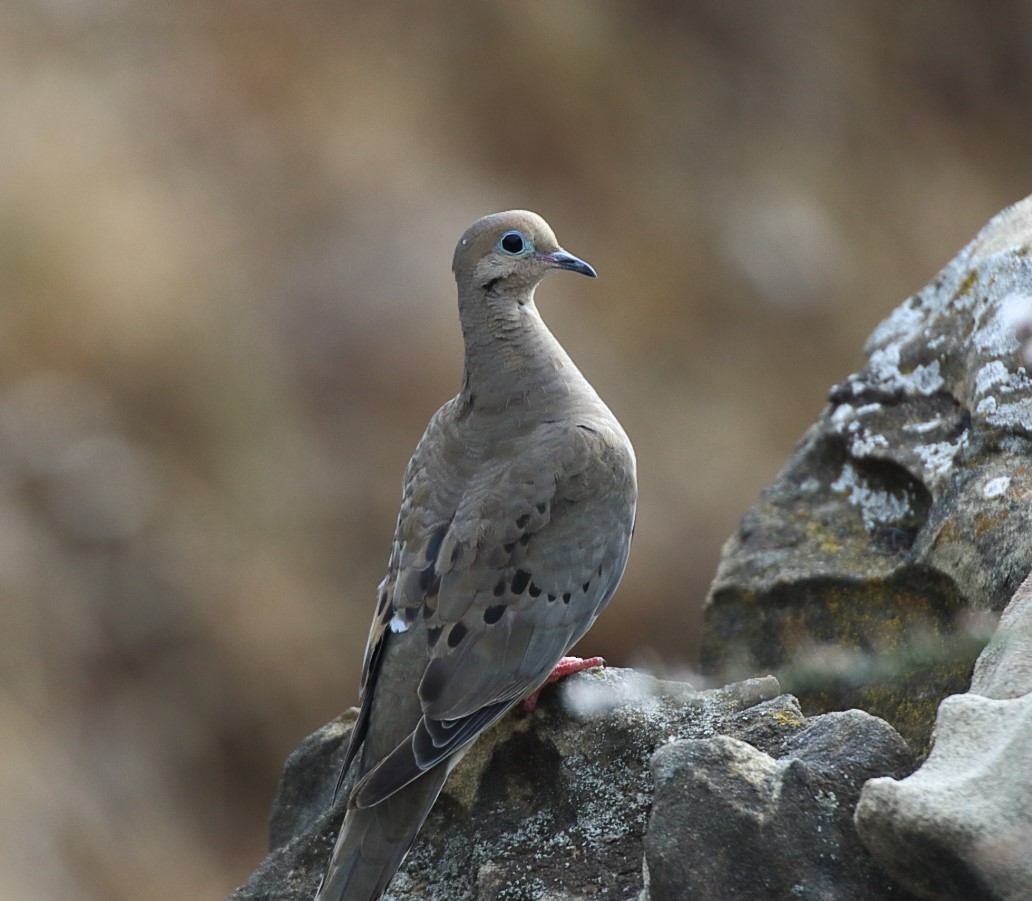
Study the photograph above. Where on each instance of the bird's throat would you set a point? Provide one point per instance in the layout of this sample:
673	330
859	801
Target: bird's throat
513	360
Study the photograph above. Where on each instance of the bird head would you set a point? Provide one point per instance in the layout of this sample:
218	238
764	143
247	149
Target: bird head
510	253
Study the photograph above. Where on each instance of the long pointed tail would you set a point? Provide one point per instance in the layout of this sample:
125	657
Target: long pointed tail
374	840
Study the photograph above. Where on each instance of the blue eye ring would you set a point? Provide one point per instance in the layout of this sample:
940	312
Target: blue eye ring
514	243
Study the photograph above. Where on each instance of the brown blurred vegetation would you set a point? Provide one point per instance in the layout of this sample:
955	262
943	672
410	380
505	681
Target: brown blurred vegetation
227	313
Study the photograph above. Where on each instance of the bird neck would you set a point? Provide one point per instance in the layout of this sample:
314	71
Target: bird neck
512	359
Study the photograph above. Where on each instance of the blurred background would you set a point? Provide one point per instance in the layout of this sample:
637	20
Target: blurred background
227	314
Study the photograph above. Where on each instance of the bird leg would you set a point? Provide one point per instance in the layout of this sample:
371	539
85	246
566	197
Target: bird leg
567	666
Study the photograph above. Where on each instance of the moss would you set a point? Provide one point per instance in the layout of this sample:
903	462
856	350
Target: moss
894	647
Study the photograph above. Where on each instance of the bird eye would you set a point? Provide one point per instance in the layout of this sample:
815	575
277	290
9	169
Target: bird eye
512	242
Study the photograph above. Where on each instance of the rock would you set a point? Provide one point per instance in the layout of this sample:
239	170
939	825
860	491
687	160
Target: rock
1004	668
862	575
961	826
730	821
555	804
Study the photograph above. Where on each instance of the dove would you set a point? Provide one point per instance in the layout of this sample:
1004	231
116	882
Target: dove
516	518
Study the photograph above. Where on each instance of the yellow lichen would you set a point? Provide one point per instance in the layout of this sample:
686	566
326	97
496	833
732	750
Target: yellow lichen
786	718
966	284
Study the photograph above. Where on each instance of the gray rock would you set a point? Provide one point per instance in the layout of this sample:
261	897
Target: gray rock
555	804
862	575
550	804
1004	668
730	821
961	826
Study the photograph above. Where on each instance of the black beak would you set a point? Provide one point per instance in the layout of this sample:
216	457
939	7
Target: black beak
563	260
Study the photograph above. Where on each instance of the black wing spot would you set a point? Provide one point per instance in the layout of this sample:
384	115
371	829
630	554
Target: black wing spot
520	581
427	578
566	597
586	586
521	522
541	508
510	547
499	588
493	614
457	633
524	539
534	591
551	597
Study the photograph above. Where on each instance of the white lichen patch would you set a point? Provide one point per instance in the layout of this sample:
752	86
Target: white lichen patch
919	428
866	443
1003	327
990	375
996	333
1013	416
883	364
877	506
995	488
842	416
862	442
1016	316
927	379
1009	405
1016	313
884	369
938	458
810	485
1003	395
902	324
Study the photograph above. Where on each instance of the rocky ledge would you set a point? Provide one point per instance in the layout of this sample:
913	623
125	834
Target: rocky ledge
620	784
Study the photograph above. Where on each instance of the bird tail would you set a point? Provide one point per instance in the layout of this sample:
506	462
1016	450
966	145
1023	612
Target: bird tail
374	840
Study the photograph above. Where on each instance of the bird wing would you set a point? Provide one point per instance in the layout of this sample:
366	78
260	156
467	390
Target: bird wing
505	576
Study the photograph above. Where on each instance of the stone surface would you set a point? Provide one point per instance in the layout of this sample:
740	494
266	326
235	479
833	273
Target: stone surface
864	573
731	821
961	826
555	804
1004	668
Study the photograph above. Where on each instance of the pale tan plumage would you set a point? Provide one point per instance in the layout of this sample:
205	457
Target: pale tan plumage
514	529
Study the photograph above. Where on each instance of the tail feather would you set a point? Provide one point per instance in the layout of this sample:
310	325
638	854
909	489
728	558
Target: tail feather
374	840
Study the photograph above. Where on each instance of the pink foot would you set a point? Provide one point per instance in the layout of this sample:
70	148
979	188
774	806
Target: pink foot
565	667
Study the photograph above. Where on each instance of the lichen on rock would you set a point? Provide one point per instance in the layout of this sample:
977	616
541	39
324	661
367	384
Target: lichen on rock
903	516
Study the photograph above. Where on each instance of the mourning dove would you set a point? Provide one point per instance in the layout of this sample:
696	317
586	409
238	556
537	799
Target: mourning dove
515	524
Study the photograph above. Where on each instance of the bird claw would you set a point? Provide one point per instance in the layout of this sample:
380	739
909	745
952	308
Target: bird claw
567	666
